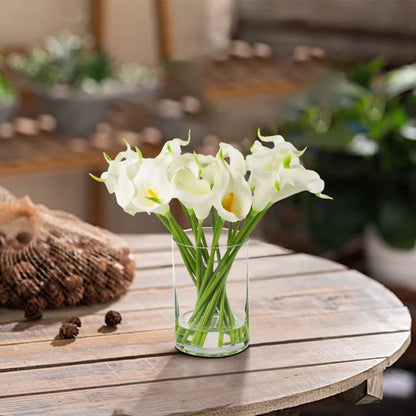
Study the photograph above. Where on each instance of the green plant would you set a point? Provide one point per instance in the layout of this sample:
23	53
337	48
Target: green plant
70	61
7	92
64	60
362	129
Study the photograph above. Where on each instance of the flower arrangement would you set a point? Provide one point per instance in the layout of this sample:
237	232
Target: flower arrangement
237	191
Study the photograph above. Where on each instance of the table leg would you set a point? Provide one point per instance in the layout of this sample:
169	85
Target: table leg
371	391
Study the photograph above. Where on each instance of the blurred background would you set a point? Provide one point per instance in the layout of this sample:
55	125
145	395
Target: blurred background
79	76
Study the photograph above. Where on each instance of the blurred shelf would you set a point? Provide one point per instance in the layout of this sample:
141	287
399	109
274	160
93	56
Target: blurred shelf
47	153
280	88
43	154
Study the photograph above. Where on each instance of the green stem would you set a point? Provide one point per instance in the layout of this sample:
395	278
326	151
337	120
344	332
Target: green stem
198	254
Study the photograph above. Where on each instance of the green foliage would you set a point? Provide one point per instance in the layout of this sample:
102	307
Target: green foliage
7	92
361	132
67	60
364	73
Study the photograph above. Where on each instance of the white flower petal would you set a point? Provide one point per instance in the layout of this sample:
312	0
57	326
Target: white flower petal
234	202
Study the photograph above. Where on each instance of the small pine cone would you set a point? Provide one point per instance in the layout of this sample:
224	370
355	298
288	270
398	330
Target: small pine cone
112	318
68	330
114	284
54	295
43	247
102	265
74	296
72	282
99	279
115	271
74	320
4	293
13	300
129	270
106	294
67	268
90	294
27	269
33	309
28	288
18	272
84	243
60	251
123	253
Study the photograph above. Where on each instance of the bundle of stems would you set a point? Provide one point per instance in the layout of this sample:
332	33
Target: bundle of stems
209	268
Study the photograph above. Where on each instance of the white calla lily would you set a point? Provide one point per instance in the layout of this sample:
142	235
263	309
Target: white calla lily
276	173
233	197
120	173
193	191
153	191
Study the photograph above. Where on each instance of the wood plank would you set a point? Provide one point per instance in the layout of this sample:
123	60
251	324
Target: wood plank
163	258
264	329
295	264
145	243
141	320
180	366
299	307
242	394
263	294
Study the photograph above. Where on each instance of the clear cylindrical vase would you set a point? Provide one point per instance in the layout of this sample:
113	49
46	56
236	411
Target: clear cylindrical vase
210	294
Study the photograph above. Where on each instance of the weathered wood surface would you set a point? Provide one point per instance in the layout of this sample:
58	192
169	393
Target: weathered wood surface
317	330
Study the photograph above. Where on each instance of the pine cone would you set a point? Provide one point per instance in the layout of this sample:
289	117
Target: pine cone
115	285
90	293
18	272
27	269
4	293
129	270
33	309
112	318
67	268
106	294
74	320
123	253
74	296
68	330
54	295
72	282
115	271
42	248
28	288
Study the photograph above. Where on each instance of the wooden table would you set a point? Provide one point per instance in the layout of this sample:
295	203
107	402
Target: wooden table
317	330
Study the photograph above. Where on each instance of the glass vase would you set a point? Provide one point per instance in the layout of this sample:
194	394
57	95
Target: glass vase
210	295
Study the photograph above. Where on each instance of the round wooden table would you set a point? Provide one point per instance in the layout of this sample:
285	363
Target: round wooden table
317	330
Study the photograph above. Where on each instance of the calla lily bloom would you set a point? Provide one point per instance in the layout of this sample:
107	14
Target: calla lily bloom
233	197
153	190
193	191
276	173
